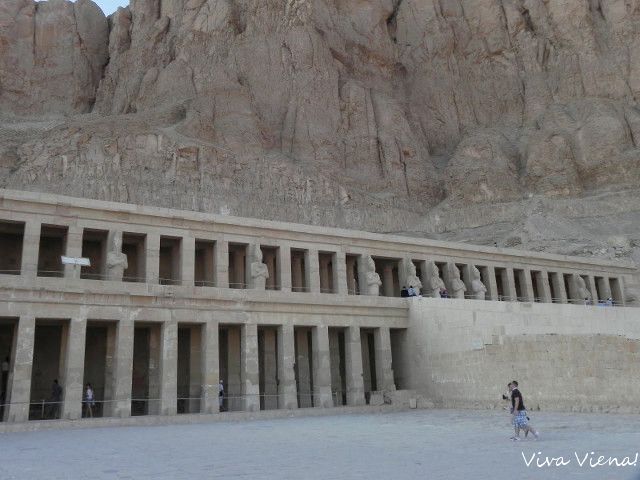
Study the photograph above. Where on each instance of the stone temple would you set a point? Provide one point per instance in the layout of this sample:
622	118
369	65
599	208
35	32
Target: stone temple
291	316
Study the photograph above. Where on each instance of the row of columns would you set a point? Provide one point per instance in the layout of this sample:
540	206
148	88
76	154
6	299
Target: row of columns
317	272
120	363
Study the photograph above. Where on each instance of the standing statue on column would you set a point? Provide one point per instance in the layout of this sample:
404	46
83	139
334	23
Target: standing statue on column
436	285
259	271
117	261
373	279
410	275
478	288
581	290
457	286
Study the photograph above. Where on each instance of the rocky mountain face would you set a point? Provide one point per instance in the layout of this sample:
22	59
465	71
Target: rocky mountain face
508	121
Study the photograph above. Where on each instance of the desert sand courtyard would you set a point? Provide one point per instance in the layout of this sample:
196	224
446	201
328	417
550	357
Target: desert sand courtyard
423	444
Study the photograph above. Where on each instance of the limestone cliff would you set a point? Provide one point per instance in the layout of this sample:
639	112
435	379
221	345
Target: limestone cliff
513	121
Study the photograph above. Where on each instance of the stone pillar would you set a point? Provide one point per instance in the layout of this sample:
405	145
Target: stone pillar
187	261
353	366
152	261
284	267
73	249
74	369
604	287
559	289
169	368
340	273
123	369
617	291
286	374
362	274
527	285
387	281
321	367
492	285
30	249
210	368
249	370
544	289
270	368
591	285
303	367
467	276
19	385
384	370
312	271
509	285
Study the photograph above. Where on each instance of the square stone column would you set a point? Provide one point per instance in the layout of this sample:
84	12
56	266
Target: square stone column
222	264
509	285
73	249
152	261
312	271
557	280
384	370
187	261
286	374
340	273
353	366
169	368
492	284
544	289
30	249
467	276
74	369
284	267
210	368
122	369
604	287
617	290
591	285
362	275
249	368
321	367
527	285
19	384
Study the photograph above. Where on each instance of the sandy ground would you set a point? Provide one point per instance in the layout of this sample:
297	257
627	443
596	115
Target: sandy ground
426	444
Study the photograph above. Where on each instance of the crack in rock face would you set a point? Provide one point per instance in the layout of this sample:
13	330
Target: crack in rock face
478	121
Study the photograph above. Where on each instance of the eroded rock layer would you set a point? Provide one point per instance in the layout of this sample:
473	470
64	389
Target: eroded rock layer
508	121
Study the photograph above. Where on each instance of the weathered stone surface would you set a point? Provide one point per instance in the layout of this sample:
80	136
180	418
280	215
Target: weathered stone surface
52	56
513	122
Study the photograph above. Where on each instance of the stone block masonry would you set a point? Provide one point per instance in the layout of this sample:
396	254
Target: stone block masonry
185	312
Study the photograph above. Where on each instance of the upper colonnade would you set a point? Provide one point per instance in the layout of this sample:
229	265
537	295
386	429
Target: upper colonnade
190	250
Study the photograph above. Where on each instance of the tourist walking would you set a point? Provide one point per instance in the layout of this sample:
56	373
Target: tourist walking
220	395
89	401
519	413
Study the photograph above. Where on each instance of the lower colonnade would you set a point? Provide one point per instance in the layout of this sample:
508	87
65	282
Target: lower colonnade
140	365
